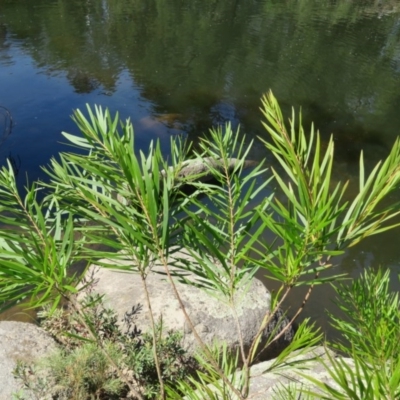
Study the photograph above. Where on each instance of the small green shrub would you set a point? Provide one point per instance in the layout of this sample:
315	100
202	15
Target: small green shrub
80	369
174	363
372	324
35	381
371	335
85	373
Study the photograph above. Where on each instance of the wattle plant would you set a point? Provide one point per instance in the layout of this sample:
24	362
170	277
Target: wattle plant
131	201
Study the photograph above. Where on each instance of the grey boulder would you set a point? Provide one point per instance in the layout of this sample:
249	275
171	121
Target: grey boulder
212	318
269	383
19	341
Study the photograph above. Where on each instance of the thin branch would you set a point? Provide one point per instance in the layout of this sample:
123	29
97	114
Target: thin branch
153	327
121	375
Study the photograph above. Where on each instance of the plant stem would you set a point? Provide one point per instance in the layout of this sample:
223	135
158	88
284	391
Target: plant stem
153	328
203	346
76	307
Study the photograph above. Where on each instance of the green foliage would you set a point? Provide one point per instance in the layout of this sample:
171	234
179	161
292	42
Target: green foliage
371	331
305	337
34	382
99	186
316	223
313	222
83	373
66	326
133	203
292	391
82	370
207	383
372	325
86	373
37	247
175	364
224	229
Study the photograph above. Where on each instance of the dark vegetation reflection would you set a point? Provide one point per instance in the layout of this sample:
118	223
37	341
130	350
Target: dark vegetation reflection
208	61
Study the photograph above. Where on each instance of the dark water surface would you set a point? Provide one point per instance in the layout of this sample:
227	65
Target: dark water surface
179	67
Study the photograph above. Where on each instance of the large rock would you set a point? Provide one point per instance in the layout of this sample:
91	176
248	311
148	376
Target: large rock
19	341
313	363
267	385
212	318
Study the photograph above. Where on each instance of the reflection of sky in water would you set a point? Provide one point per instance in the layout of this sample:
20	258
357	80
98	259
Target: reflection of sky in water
38	124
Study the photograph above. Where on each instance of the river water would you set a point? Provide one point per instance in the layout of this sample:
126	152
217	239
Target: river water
180	67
